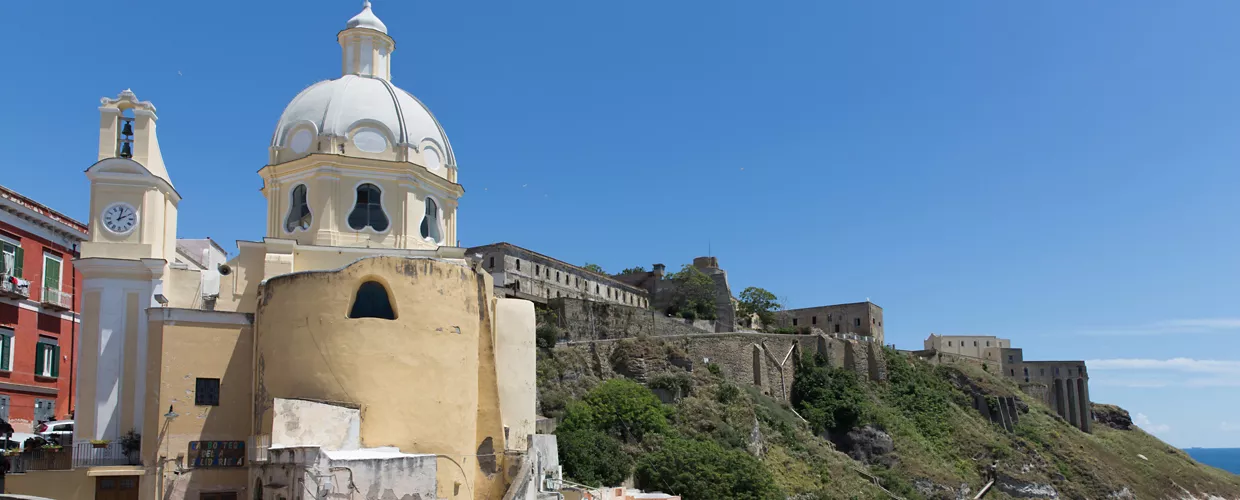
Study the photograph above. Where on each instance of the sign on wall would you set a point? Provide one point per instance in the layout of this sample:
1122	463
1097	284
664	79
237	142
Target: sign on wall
216	453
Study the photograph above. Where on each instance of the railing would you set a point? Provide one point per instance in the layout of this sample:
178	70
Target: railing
55	298
82	454
10	289
41	459
91	455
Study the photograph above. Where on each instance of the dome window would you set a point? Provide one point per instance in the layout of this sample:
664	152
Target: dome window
368	209
372	301
430	223
370	140
300	142
431	157
298	211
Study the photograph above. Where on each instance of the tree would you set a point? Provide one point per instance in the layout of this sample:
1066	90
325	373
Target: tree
701	470
758	301
621	408
594	268
634	270
593	458
831	399
693	297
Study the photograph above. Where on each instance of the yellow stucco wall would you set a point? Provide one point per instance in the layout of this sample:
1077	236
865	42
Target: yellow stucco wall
58	484
426	382
88	363
211	345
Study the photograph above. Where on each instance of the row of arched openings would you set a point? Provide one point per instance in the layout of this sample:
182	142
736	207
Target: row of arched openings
367	212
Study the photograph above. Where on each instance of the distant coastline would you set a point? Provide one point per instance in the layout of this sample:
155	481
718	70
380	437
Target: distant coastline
1227	459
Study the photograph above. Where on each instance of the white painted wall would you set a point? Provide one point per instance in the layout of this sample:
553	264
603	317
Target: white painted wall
307	423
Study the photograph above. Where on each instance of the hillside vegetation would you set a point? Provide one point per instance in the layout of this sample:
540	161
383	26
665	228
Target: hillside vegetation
915	435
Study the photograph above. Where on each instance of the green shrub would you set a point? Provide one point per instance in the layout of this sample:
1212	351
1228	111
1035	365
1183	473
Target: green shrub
714	369
547	335
621	408
593	458
831	399
702	470
679	384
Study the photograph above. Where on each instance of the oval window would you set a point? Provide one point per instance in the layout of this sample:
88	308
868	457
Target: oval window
432	158
370	140
300	142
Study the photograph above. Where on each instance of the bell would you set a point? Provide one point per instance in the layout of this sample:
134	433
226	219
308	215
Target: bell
127	129
125	151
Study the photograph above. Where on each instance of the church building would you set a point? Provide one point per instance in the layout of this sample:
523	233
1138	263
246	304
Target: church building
350	352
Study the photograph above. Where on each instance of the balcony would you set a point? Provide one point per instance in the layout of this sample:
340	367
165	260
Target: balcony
10	287
53	298
82	454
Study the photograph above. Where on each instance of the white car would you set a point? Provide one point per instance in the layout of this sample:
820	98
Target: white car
16	441
57	431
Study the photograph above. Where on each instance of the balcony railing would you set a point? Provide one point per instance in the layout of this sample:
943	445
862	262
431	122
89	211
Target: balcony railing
83	454
11	287
53	298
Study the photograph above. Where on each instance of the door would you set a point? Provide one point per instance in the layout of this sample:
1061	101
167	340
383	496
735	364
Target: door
116	488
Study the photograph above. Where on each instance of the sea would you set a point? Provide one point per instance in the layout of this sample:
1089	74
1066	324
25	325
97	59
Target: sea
1227	459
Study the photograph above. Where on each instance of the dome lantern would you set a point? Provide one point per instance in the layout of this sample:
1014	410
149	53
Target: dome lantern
366	46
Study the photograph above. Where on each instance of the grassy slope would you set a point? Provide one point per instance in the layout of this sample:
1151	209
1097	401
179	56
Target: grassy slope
939	440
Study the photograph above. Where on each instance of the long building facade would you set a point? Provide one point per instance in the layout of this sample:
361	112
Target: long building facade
39	306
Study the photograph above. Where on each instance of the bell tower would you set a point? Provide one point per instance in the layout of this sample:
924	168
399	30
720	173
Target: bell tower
133	221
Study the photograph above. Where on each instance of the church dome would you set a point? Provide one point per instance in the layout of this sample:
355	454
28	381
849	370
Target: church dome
375	114
362	113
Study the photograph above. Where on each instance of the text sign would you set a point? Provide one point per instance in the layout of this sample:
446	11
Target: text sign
216	453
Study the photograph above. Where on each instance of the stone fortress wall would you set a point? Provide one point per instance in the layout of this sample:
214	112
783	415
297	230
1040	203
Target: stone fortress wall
763	360
860	318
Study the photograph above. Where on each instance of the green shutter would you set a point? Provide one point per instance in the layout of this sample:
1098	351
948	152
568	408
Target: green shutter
38	358
5	345
18	261
51	273
55	360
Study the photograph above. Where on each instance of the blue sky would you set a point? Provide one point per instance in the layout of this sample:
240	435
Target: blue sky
1059	173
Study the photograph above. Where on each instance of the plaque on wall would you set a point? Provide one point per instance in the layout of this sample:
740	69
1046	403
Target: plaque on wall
216	453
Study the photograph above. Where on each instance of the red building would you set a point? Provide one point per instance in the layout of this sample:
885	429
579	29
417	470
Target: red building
38	311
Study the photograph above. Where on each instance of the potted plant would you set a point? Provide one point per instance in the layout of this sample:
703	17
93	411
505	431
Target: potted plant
99	443
131	443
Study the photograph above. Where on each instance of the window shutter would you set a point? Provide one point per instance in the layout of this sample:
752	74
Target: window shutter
17	262
51	274
55	360
38	358
5	346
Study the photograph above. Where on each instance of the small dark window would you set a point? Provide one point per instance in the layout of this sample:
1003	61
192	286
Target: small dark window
813	320
368	210
492	264
857	322
557	276
577	281
372	302
518	264
595	288
974	343
557	294
537	269
1042	372
299	210
207	392
1012	372
794	322
837	328
872	321
987	343
949	343
1010	357
548	273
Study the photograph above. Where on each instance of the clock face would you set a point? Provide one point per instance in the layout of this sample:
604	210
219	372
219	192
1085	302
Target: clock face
120	218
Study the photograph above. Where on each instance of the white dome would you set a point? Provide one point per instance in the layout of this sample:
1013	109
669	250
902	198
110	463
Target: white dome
367	19
354	103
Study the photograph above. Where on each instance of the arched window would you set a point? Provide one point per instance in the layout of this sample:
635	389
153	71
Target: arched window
368	209
258	489
372	302
298	211
430	223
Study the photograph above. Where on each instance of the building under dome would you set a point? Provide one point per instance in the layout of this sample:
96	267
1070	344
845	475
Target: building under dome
351	352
